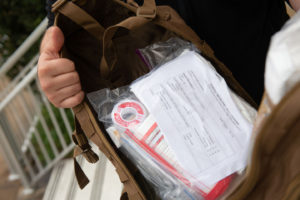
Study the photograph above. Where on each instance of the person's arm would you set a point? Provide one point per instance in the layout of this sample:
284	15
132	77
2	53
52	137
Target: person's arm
295	4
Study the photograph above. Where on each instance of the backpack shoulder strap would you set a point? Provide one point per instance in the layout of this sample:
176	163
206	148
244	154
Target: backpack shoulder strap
79	16
86	130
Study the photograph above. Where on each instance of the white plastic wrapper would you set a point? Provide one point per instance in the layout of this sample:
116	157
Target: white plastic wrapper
179	124
164	178
135	132
283	60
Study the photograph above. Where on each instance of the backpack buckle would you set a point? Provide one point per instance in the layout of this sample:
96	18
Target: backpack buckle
84	148
146	12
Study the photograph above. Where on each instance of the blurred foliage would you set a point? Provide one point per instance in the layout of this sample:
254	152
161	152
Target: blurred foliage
18	18
42	132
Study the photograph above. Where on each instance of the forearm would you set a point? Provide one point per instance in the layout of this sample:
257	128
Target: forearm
295	4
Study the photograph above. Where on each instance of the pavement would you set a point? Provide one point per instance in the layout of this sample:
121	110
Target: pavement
8	189
13	190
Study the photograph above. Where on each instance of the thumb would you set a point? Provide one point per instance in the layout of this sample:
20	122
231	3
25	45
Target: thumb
52	43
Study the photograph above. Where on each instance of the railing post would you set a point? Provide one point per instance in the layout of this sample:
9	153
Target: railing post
15	57
33	153
12	169
13	159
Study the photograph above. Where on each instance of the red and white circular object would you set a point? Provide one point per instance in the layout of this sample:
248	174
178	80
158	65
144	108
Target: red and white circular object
128	113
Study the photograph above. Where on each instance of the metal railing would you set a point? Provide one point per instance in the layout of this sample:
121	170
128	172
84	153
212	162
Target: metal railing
34	134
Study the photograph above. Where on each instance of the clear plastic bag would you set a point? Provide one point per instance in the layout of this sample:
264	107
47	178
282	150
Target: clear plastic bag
166	185
135	132
133	125
161	52
127	122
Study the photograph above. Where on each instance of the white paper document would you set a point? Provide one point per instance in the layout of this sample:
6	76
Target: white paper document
201	123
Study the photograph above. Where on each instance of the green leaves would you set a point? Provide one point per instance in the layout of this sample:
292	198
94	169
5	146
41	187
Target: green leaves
18	18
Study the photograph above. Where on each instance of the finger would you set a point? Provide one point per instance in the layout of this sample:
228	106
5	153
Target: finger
55	67
65	93
65	80
51	85
52	42
72	101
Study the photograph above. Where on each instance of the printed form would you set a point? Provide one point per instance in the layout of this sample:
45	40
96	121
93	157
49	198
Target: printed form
192	106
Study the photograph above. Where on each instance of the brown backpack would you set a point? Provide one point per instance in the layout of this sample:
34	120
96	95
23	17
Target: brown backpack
101	38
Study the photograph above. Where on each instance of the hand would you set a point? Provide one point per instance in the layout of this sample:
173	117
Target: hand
295	4
58	77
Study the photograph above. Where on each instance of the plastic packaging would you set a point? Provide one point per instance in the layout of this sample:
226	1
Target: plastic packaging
135	131
161	52
165	183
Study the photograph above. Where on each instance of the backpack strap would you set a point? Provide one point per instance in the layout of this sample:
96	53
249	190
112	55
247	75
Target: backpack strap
170	20
84	131
82	145
79	16
145	14
130	185
147	10
129	24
